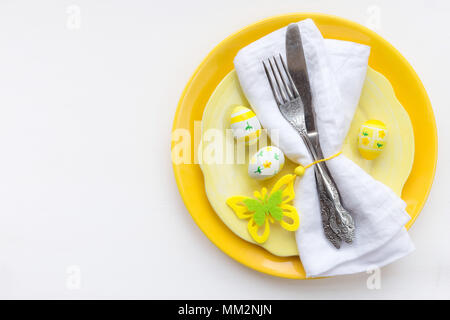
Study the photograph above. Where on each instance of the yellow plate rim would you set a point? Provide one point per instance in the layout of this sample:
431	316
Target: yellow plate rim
177	123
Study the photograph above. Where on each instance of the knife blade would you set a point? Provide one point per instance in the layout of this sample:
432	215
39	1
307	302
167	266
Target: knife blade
299	73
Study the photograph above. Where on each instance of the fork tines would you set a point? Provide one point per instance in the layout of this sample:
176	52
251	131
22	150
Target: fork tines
280	80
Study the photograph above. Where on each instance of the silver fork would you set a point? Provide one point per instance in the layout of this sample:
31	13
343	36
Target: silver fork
337	223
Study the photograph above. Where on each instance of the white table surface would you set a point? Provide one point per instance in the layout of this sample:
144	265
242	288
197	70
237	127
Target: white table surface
89	207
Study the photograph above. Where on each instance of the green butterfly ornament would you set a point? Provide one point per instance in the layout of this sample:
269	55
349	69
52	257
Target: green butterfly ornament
268	208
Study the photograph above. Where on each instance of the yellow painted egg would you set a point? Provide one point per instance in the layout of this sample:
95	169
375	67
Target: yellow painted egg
372	139
266	163
245	125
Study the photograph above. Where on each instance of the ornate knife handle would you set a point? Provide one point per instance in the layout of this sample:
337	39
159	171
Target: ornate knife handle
326	211
338	224
340	220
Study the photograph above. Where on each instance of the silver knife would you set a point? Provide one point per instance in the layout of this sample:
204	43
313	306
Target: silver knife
337	222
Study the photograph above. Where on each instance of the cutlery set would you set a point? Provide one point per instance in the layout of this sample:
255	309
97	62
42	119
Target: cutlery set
292	93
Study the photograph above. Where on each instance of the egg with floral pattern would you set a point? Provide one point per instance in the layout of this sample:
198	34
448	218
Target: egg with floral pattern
266	163
372	139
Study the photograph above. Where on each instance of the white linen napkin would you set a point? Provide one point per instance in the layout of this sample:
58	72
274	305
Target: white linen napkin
337	70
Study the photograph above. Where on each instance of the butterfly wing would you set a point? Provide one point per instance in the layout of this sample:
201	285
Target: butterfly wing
273	205
289	219
286	185
239	207
245	208
254	230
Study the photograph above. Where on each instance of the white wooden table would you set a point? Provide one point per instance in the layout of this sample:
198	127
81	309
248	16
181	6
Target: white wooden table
88	202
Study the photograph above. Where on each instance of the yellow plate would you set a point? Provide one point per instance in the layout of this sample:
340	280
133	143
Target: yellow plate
224	179
384	58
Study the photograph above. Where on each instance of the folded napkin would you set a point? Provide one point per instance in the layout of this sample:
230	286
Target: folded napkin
337	70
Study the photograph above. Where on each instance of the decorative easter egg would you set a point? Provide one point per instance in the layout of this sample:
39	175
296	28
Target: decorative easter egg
372	139
245	125
266	163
